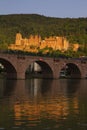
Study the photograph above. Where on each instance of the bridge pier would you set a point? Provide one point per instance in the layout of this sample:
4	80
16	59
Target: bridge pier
83	74
20	75
56	72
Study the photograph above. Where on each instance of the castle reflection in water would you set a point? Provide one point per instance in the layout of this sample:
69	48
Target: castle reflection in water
34	98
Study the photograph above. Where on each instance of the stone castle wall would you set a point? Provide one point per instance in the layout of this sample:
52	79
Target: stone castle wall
32	43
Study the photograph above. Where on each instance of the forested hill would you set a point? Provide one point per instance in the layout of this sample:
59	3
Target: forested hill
75	29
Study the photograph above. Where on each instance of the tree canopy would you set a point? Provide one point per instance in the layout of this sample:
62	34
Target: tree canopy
74	29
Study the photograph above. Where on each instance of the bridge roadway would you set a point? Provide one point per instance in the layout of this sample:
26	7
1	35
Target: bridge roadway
16	66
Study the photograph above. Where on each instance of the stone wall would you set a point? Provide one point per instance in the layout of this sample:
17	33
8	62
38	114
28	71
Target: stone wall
32	43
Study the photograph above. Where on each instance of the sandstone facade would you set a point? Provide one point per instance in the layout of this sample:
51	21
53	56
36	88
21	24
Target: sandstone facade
32	43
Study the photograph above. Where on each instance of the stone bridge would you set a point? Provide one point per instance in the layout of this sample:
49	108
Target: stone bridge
16	66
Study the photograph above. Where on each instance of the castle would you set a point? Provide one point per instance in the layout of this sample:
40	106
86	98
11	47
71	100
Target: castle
35	43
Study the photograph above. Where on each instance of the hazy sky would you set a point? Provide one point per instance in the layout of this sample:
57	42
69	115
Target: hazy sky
53	8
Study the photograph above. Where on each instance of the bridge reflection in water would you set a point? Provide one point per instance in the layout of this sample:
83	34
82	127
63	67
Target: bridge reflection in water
42	103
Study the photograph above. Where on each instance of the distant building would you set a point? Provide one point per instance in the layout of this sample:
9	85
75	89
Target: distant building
56	43
32	43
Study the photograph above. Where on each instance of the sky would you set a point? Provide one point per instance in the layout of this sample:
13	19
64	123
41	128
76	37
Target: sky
50	8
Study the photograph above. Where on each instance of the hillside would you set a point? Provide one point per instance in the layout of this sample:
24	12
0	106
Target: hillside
74	29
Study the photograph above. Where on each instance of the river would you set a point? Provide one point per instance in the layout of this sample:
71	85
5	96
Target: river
43	104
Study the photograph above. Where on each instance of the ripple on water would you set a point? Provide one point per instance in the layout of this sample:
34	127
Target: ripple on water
2	128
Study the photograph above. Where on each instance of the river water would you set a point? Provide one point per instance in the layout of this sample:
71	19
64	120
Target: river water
43	104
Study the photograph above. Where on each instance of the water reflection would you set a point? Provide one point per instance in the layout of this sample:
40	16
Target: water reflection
42	104
73	86
6	87
38	87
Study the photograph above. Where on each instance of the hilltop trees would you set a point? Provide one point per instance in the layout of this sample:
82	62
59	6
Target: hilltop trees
74	29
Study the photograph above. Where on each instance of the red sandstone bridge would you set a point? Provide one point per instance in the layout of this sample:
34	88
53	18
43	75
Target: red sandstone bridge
16	66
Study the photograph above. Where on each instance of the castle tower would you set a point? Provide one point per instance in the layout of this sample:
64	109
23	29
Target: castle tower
66	44
18	39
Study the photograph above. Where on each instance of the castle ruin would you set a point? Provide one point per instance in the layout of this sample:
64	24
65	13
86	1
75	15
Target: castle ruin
32	43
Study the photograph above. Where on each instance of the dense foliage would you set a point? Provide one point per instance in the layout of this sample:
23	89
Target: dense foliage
75	29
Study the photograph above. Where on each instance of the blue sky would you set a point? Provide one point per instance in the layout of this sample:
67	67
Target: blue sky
53	8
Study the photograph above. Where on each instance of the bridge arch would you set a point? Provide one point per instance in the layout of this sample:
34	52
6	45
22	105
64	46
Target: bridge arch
16	65
9	69
39	68
70	70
